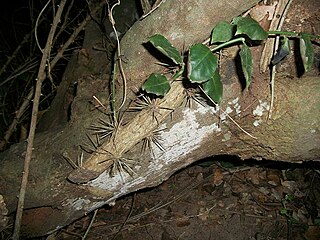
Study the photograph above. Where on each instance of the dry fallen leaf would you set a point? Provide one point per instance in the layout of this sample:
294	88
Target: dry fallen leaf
273	177
253	175
217	177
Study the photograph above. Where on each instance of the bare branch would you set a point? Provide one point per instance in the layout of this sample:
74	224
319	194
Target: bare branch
41	76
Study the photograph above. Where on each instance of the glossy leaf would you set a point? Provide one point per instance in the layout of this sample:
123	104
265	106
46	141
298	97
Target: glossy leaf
156	84
213	87
246	63
222	32
202	63
306	51
165	47
249	27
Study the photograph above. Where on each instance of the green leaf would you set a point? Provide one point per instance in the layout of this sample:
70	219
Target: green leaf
285	45
249	27
306	51
164	46
202	63
156	84
289	197
222	32
213	87
246	63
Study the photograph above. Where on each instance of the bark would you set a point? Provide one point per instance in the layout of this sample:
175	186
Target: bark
189	134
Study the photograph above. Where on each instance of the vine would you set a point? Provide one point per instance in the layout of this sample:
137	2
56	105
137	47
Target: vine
203	67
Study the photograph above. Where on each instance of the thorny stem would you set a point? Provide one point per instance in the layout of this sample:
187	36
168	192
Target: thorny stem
136	130
36	100
57	57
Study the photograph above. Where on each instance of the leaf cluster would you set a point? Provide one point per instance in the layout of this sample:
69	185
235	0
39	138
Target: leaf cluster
203	62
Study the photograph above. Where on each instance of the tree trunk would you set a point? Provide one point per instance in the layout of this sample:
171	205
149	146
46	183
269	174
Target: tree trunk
185	134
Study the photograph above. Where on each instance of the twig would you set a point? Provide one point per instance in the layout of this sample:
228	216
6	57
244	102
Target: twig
23	68
58	56
90	225
127	218
154	7
16	120
267	51
185	192
113	23
76	32
65	22
36	100
276	45
227	115
37	23
14	54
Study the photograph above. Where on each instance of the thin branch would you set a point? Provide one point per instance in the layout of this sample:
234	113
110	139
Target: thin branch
16	120
90	225
65	22
113	23
23	68
54	61
74	35
15	53
41	76
37	24
153	8
127	218
273	68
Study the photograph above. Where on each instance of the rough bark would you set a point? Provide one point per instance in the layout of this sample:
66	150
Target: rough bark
188	135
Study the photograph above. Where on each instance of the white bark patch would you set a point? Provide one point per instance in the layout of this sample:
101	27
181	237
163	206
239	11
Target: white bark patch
223	115
232	105
226	136
256	123
183	137
173	36
235	104
105	181
259	111
121	181
84	204
78	204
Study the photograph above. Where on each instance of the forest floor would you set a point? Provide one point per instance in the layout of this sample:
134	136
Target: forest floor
219	198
